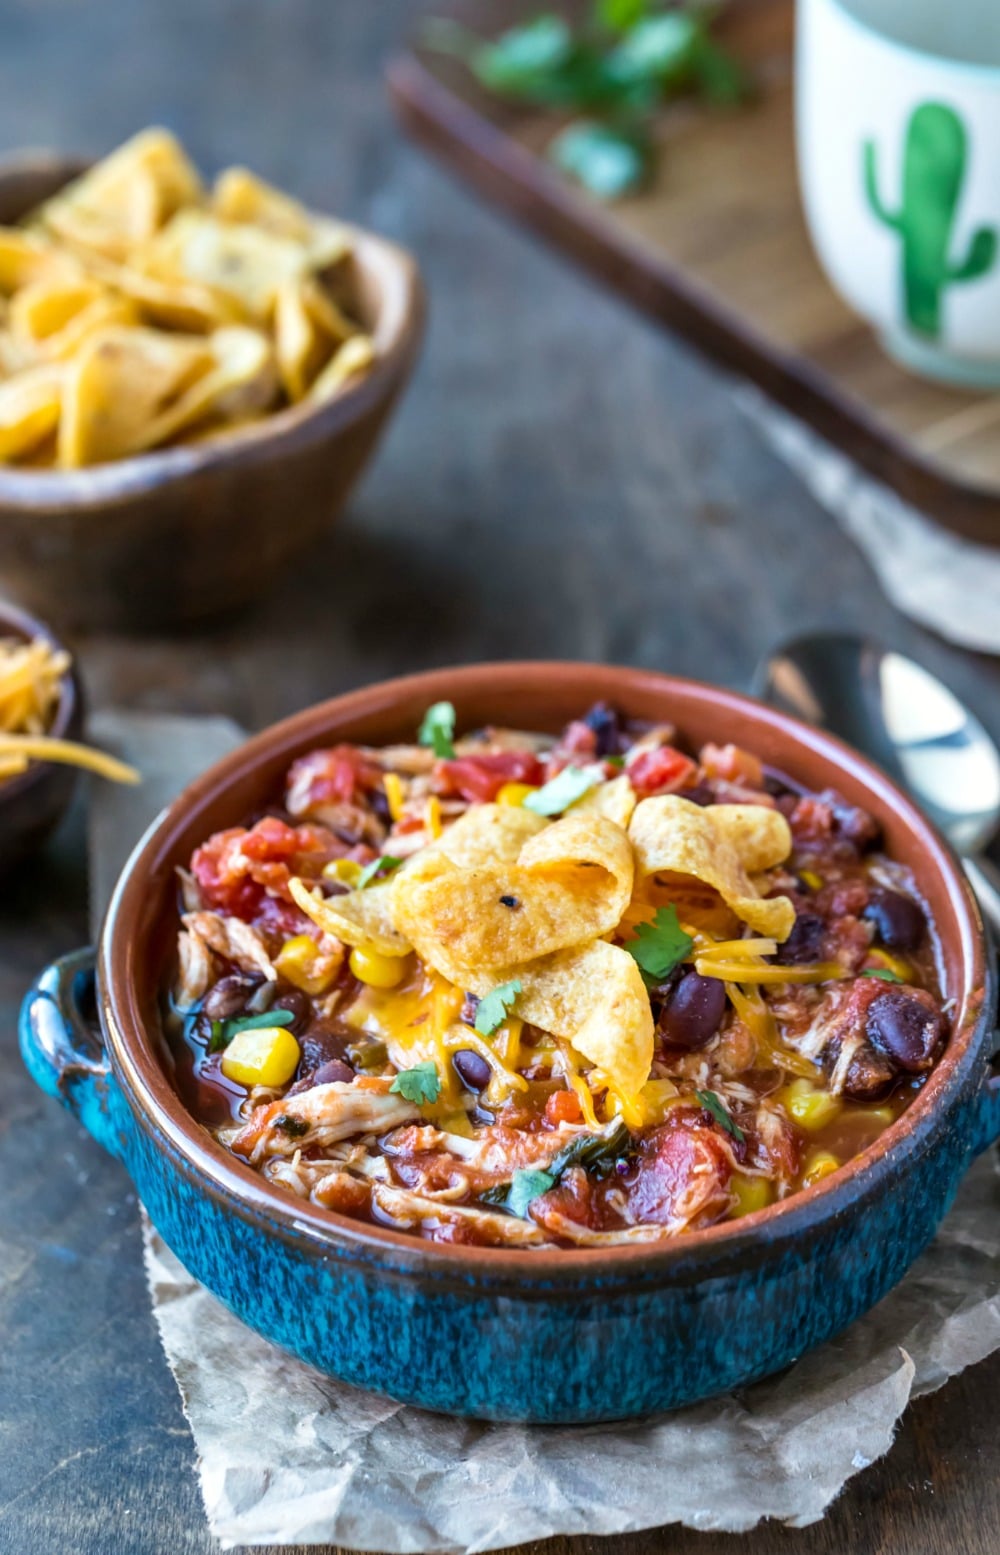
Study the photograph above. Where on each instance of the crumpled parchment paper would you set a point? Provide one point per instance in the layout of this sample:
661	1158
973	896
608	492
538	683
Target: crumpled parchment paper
287	1456
945	582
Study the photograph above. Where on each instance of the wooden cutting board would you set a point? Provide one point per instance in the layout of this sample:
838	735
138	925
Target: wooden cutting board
716	248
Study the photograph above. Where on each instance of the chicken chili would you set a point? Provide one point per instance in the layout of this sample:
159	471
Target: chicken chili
522	990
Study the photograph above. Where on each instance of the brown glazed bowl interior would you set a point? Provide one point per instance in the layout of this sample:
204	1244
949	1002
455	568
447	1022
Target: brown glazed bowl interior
33	803
140	931
188	531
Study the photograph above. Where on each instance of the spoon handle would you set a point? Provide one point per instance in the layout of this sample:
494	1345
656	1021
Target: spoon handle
984	877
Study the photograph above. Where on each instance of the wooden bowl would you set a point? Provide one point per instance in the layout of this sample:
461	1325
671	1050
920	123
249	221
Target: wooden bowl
192	530
33	804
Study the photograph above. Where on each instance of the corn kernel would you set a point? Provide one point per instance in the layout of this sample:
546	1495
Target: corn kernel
301	962
811	879
808	1106
902	969
819	1164
378	971
395	794
516	793
264	1055
751	1193
346	870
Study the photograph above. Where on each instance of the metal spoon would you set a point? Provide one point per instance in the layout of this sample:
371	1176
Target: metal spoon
910	724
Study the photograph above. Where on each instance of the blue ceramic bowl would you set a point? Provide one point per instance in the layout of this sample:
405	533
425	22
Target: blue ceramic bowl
561	1336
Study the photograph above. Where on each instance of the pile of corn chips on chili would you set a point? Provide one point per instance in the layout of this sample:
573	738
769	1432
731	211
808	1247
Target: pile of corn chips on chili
526	990
139	308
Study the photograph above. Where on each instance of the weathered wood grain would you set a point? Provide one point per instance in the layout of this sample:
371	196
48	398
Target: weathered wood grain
561	480
716	246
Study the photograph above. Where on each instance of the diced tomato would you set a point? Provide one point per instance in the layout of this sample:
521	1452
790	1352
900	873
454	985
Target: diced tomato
334	776
811	820
480	778
660	771
563	1107
683	1173
579	739
733	764
238	869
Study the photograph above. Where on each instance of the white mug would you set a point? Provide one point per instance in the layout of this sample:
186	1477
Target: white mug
898	138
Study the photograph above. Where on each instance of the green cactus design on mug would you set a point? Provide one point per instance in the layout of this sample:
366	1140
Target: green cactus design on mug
934	162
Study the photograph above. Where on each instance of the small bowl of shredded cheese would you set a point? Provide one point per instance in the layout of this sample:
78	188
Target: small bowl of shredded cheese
41	723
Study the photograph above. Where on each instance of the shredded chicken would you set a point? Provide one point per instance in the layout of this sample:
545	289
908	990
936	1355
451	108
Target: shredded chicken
196	972
411	1210
239	942
320	1117
582	1236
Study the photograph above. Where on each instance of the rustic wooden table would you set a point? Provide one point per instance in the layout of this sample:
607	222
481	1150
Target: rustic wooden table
562	480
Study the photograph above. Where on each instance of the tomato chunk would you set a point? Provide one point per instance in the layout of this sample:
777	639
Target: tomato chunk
660	771
238	869
563	1107
335	776
683	1174
480	778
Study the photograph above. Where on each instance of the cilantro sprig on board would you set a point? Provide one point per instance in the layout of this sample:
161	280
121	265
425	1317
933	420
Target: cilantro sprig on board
616	70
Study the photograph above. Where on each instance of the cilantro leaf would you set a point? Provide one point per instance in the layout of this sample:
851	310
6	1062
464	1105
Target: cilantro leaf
420	1085
379	866
659	48
721	78
883	972
659	946
621	15
712	1104
223	1031
495	1006
525	1186
606	161
438	729
523	58
589	1150
564	789
586	1150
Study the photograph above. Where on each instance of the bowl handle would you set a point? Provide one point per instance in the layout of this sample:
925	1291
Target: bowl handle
988	1132
62	1046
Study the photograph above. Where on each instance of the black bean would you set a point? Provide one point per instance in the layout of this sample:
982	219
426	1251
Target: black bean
378	800
298	1005
694	1010
228	997
471	1068
805	943
335	1070
899	920
467	1014
700	793
604	720
905	1029
850	822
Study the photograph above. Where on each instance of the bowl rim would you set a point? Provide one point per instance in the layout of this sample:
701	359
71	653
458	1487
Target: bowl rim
915	54
15	622
725	1246
396	334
